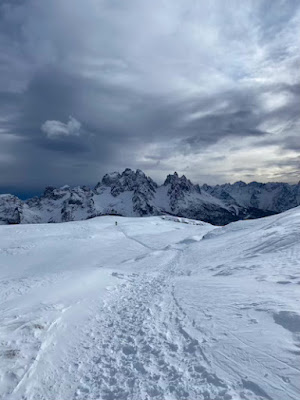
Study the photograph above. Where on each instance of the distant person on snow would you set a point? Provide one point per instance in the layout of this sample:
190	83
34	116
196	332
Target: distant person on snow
116	223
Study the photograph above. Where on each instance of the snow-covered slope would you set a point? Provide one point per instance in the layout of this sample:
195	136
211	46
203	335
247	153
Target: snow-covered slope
132	193
153	308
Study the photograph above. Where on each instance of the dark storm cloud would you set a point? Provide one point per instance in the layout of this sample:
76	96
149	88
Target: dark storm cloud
148	89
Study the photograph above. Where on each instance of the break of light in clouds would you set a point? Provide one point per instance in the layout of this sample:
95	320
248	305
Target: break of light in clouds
210	89
55	129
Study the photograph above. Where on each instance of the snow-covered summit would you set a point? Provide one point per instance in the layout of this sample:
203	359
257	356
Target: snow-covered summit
180	182
127	181
180	185
140	188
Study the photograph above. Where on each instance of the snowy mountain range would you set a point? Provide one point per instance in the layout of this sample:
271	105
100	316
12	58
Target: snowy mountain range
132	193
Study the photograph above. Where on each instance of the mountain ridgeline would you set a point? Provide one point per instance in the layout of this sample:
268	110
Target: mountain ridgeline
132	193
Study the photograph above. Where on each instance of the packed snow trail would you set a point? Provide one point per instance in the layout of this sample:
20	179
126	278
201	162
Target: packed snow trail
153	308
145	350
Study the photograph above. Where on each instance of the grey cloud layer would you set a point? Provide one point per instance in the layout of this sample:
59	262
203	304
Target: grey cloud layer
155	85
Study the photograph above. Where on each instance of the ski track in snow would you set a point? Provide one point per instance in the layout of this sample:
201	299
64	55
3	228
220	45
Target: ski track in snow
143	346
154	328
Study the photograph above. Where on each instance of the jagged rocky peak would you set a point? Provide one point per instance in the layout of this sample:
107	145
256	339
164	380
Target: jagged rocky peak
240	184
178	188
132	179
109	179
255	184
53	193
129	180
206	187
181	183
10	209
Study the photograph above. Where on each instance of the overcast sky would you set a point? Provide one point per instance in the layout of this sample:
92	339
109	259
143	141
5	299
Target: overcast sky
210	89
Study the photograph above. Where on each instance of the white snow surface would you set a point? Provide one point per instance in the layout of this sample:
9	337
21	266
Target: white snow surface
158	308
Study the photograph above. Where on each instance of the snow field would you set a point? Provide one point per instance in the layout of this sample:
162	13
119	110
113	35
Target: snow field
155	308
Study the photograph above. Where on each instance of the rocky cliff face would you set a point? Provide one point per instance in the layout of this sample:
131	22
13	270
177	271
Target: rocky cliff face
141	187
132	193
129	180
272	197
63	204
178	188
11	209
190	201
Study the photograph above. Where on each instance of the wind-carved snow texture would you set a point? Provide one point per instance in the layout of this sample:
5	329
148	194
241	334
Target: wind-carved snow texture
160	308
